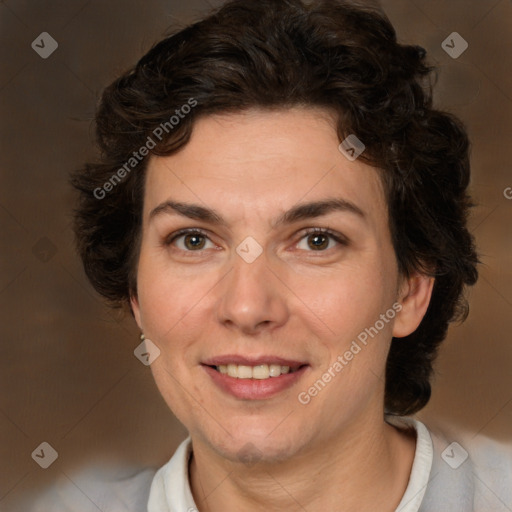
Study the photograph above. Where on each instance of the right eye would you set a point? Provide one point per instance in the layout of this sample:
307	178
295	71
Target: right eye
189	240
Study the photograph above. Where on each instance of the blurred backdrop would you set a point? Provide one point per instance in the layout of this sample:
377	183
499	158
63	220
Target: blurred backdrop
68	373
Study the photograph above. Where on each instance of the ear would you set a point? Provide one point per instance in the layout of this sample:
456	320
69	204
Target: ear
134	303
414	297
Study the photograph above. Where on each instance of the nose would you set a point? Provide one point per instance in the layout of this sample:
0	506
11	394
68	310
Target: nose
253	297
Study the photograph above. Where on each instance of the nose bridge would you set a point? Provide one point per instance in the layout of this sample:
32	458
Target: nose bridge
252	296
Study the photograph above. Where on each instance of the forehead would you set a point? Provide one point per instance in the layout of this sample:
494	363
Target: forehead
260	162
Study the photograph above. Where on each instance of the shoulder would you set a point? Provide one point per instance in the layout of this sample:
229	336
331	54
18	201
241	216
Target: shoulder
471	472
105	488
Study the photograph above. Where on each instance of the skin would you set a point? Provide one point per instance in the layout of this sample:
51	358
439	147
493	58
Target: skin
294	301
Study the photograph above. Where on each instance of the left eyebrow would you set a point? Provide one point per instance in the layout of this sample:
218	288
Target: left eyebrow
297	213
315	209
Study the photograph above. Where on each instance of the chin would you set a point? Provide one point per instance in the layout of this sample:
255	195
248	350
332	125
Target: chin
253	451
250	444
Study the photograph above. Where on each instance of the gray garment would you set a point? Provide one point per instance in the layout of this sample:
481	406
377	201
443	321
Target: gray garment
473	475
96	489
482	483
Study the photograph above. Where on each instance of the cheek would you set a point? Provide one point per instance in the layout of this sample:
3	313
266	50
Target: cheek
351	298
350	303
168	300
176	388
173	316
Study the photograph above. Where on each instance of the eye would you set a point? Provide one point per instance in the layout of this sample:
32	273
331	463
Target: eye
189	240
320	240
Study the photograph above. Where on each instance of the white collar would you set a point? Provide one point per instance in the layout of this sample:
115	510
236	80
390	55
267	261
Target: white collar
170	489
421	466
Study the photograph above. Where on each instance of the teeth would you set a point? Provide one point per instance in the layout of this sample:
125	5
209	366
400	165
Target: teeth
275	370
232	370
260	372
244	372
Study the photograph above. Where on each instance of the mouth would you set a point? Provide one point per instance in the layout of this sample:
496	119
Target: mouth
259	372
254	379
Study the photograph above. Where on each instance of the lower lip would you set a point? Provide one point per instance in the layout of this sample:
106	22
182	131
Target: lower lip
254	389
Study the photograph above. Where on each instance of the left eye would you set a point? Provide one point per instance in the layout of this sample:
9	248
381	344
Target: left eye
319	240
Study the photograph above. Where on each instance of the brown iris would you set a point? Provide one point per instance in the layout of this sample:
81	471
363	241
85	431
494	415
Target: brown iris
318	241
194	241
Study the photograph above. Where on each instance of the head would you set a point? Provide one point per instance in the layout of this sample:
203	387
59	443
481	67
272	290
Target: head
230	129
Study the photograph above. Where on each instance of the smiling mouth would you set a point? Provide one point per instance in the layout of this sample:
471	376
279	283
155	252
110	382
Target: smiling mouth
258	372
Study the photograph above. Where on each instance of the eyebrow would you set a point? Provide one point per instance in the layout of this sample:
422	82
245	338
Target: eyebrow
297	213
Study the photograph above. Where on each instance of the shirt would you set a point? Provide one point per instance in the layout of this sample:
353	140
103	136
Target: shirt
472	474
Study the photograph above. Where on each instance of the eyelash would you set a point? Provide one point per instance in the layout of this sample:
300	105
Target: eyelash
340	239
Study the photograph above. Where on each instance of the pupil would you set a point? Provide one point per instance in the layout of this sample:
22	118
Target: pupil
194	241
319	241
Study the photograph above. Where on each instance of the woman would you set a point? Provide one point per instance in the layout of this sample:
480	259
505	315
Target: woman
284	212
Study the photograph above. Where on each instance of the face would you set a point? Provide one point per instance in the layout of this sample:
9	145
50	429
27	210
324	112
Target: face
263	247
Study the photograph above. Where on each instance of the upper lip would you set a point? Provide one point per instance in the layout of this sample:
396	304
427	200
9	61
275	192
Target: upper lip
252	361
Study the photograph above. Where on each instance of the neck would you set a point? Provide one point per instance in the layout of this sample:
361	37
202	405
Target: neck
363	469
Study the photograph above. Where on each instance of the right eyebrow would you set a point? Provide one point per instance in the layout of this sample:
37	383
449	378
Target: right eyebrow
191	211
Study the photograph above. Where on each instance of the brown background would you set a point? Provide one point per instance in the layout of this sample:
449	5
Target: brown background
68	374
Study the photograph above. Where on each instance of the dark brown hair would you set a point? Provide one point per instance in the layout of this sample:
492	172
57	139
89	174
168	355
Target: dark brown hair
275	54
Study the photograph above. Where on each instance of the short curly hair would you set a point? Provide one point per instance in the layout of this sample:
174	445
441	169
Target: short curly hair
275	54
